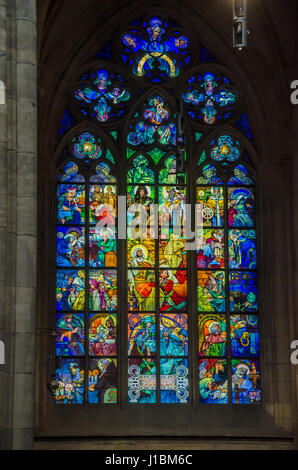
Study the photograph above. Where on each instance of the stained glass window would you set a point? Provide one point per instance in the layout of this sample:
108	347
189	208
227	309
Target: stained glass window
148	317
157	275
227	278
86	286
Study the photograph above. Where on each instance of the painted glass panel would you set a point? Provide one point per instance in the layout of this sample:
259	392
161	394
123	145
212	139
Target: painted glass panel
70	335
141	294
174	382
141	335
241	177
70	247
243	291
173	335
225	149
70	290
102	381
213	381
154	125
142	380
244	335
103	335
70	375
71	204
212	335
102	248
173	290
103	205
211	291
71	174
210	206
245	382
172	200
242	249
241	202
141	253
103	174
172	251
103	290
209	98
154	50
102	95
87	146
168	174
210	251
209	175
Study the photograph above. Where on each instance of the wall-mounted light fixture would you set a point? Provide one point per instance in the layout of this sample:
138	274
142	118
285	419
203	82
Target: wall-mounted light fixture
240	24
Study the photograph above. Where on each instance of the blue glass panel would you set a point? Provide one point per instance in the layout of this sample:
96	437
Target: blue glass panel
243	125
102	381
70	294
70	247
244	335
241	177
174	386
173	334
213	381
246	382
242	249
70	335
243	291
71	204
67	122
70	174
70	376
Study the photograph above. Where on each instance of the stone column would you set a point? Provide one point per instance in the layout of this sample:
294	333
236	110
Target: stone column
19	251
3	158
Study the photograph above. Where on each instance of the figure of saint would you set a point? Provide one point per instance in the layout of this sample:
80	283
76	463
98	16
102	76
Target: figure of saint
68	208
141	290
215	342
104	340
241	209
173	290
215	290
174	252
144	340
107	245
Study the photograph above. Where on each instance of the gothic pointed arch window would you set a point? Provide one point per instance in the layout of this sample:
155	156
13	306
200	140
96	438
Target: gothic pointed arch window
156	317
